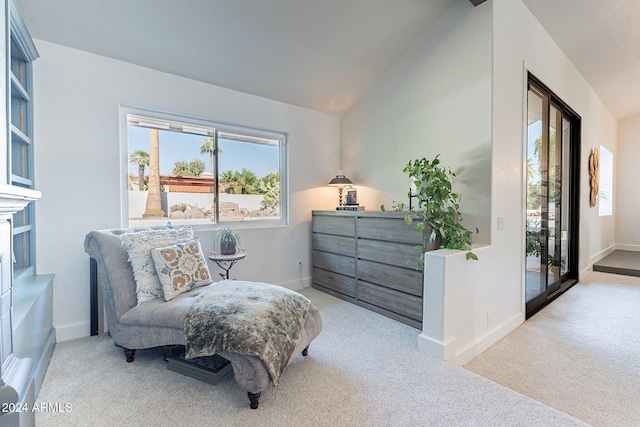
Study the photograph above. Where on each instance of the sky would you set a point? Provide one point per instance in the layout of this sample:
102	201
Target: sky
175	146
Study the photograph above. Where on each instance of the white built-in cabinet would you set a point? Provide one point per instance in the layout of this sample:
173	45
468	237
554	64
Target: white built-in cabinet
27	336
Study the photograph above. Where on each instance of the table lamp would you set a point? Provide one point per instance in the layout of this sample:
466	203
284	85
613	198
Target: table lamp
340	181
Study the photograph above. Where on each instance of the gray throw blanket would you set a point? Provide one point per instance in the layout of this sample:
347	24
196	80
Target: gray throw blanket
252	318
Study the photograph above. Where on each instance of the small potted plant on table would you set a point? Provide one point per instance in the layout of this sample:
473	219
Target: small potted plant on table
227	240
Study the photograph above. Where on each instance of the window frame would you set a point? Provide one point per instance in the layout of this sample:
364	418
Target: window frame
219	127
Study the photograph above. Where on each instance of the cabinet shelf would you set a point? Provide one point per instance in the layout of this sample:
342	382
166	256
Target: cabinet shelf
22	229
18	134
21	181
18	90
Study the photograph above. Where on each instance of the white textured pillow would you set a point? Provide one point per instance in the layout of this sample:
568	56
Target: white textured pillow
181	267
139	245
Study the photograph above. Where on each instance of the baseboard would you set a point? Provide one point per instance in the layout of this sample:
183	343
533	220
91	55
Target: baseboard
624	247
445	351
298	284
583	273
468	353
72	332
434	348
603	253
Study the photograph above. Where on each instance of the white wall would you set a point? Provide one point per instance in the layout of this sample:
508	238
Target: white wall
484	301
435	99
626	197
459	91
471	305
77	98
521	44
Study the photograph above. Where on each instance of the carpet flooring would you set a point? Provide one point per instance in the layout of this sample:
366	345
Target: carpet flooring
580	354
363	370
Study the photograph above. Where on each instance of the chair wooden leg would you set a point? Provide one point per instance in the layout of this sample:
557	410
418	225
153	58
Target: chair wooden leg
254	399
128	353
305	351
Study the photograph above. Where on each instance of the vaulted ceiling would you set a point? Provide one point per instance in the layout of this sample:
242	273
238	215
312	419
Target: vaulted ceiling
602	39
321	54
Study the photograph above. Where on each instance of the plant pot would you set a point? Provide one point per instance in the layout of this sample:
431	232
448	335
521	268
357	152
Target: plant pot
227	248
433	245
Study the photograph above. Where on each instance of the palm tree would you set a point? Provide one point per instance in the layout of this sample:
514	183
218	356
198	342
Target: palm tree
207	147
154	198
227	179
247	181
183	168
140	158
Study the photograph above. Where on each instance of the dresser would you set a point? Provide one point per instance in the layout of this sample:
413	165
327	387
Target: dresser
369	259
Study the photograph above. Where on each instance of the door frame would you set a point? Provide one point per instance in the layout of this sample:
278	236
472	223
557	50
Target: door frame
571	277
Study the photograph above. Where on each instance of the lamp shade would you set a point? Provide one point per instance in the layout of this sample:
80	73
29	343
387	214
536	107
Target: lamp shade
340	180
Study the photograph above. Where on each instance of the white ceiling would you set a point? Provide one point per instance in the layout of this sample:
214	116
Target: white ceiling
602	39
321	54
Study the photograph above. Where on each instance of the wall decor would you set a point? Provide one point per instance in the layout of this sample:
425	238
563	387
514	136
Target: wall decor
593	176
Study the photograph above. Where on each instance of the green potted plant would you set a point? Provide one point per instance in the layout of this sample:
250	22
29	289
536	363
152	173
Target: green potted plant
227	241
438	206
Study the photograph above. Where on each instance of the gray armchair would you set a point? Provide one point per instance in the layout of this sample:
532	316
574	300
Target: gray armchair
159	323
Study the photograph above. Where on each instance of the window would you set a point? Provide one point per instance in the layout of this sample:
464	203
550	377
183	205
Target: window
200	172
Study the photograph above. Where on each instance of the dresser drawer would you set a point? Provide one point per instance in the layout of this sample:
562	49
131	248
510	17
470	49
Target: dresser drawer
388	229
401	279
336	282
336	244
338	225
400	254
333	262
397	302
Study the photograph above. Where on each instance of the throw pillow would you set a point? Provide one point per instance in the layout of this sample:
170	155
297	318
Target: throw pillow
181	267
139	245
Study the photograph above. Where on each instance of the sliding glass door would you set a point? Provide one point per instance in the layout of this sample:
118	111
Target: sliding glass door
552	193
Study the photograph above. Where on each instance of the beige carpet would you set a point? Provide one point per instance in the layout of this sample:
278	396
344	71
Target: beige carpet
580	354
363	370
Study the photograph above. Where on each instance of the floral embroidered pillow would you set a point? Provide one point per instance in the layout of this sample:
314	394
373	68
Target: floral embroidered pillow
139	245
181	267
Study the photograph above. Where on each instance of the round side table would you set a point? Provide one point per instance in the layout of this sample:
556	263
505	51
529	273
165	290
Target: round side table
225	262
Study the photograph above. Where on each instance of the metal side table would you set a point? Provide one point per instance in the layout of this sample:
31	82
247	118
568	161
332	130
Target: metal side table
225	262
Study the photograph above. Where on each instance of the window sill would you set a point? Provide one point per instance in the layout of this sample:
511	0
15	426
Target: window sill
200	226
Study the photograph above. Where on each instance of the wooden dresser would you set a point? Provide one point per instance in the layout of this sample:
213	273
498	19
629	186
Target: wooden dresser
369	259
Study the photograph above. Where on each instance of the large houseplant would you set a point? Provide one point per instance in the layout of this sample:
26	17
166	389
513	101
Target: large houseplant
438	206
